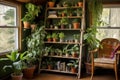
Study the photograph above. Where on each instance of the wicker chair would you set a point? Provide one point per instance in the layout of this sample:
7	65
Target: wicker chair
107	56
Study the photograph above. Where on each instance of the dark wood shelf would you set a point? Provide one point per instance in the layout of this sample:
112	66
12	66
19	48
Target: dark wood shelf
57	8
70	57
64	17
62	42
64	29
58	71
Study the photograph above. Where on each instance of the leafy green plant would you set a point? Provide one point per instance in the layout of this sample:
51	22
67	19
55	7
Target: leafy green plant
54	35
73	63
17	61
75	48
76	36
63	21
61	35
35	44
32	12
48	36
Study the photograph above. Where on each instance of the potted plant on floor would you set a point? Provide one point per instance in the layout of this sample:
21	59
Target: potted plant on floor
17	64
34	51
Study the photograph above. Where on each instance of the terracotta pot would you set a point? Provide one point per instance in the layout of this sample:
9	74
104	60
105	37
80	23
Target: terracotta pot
49	39
26	25
50	67
28	72
51	4
16	77
73	70
74	54
80	4
33	26
54	40
76	25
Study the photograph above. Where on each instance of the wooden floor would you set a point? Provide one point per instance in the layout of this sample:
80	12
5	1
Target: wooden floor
57	76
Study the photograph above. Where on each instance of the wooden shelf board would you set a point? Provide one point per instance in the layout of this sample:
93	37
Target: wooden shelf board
63	57
63	7
63	29
62	42
58	71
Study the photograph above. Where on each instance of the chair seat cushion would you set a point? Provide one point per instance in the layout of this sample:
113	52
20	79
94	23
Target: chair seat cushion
104	60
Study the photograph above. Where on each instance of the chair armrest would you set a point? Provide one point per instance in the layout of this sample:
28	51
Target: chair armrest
118	52
93	51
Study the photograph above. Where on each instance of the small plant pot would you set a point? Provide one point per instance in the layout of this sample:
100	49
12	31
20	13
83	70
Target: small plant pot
50	67
76	25
26	25
33	26
28	72
74	54
51	4
54	40
73	70
49	40
80	4
16	77
67	55
61	40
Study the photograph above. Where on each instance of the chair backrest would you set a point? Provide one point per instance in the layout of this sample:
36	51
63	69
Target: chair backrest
108	45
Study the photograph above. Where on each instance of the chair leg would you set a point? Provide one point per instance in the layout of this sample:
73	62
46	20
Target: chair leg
116	75
92	72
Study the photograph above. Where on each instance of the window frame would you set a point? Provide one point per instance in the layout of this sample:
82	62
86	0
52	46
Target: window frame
18	23
109	5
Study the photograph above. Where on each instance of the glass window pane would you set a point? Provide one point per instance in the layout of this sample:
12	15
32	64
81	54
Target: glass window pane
110	17
7	15
8	39
108	33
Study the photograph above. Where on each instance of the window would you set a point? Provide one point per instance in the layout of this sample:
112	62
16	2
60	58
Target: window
9	26
111	20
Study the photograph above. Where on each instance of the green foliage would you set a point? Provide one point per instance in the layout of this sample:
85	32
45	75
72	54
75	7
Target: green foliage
61	35
17	61
54	35
48	36
35	43
32	12
65	49
95	8
76	36
63	21
75	48
73	63
75	20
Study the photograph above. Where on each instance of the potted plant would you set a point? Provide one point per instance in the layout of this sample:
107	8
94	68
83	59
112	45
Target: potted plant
76	37
58	52
49	37
31	14
80	3
34	51
54	37
61	36
49	63
63	22
66	50
17	64
76	24
47	50
73	64
78	12
75	50
51	3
